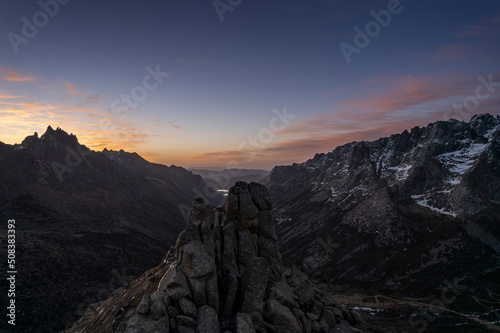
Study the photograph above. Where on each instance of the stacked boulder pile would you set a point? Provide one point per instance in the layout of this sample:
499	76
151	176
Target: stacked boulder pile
225	275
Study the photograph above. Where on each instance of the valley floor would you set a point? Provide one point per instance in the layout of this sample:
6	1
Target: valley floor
383	314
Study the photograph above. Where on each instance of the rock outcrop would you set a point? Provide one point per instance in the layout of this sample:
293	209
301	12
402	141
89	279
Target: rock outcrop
224	274
406	201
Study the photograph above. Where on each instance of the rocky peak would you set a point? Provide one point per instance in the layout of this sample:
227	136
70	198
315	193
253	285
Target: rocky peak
437	166
30	140
128	160
223	275
59	137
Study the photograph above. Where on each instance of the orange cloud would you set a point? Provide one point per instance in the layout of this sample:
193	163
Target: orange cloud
88	99
383	104
404	92
406	103
4	95
72	90
19	118
382	112
11	75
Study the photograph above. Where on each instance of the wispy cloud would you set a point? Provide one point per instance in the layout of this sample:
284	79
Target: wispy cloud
72	90
399	104
21	115
385	106
489	26
5	95
92	99
455	53
10	75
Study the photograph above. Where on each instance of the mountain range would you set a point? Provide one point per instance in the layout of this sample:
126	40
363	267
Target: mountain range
404	229
86	222
403	216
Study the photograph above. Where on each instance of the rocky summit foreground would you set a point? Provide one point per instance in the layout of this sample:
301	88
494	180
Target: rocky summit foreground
223	275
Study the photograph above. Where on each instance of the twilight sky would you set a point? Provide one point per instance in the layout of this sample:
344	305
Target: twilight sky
255	83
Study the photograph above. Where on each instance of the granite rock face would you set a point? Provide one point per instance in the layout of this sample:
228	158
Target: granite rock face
223	275
422	202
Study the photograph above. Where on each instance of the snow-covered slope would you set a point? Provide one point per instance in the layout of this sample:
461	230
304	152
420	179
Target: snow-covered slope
433	165
387	205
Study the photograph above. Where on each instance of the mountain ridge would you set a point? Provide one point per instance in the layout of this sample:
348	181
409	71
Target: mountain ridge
81	217
399	215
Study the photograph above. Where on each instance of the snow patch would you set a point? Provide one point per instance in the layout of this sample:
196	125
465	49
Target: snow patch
401	171
461	161
424	202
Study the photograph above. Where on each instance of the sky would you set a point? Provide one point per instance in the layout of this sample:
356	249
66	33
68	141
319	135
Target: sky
239	83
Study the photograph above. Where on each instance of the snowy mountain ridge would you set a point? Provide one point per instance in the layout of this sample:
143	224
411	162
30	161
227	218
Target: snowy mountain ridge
445	155
399	214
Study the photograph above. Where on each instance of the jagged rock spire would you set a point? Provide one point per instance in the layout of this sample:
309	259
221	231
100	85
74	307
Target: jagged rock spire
225	275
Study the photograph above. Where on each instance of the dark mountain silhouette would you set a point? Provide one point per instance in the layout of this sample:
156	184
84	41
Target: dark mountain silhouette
86	222
405	216
407	226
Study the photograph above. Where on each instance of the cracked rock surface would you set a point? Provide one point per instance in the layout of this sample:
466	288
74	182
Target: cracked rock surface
224	274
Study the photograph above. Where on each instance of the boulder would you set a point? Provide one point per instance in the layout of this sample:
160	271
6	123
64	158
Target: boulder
244	323
188	308
183	320
176	291
281	316
328	317
305	294
144	305
197	262
158	309
191	233
208	321
281	292
260	196
172	311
